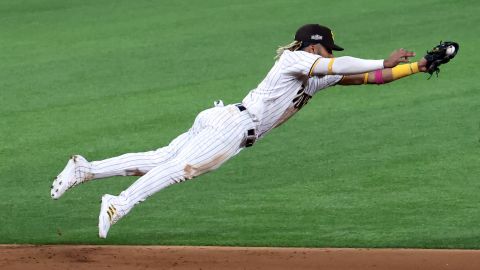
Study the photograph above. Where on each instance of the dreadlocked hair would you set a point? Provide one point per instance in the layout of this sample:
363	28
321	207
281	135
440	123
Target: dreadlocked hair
295	45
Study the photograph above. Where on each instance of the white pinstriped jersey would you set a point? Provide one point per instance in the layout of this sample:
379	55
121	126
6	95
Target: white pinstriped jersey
285	90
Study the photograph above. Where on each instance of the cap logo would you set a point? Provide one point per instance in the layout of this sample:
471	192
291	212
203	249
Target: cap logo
316	37
333	36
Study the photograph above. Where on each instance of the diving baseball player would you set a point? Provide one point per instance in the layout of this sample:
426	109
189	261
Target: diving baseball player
302	68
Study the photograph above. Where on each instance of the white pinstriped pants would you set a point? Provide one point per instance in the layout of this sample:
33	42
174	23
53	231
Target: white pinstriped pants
217	134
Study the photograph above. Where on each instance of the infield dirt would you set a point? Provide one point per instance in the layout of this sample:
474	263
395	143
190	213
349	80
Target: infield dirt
174	257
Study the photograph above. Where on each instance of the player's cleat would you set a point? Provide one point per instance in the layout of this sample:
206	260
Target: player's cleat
76	172
110	213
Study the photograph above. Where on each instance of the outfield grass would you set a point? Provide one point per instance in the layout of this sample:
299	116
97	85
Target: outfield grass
365	166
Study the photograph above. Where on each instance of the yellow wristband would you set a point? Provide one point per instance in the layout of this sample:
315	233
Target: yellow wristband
365	78
414	67
401	71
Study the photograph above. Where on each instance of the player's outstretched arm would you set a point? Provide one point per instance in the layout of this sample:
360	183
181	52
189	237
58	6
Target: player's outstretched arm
347	65
385	75
439	55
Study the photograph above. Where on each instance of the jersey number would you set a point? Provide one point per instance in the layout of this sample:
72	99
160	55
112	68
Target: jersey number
301	98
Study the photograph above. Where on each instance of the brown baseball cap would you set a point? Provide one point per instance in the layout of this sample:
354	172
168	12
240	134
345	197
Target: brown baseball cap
315	33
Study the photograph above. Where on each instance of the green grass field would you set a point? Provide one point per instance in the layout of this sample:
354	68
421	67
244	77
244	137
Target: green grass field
363	166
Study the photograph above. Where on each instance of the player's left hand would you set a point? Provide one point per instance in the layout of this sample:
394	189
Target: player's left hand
439	55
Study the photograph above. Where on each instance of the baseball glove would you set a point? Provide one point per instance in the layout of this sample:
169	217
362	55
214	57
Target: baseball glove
439	55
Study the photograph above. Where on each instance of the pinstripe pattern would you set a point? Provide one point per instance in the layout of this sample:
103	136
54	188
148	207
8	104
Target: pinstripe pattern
137	163
274	100
217	133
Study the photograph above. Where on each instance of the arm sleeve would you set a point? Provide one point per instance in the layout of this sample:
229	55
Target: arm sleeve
344	65
316	83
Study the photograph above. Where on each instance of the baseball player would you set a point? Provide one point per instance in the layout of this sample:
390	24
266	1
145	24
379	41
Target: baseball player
301	69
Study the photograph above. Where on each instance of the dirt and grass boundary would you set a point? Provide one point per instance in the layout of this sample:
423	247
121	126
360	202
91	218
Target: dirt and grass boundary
186	257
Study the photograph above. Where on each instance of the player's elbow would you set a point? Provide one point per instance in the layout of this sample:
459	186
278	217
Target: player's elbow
347	65
343	66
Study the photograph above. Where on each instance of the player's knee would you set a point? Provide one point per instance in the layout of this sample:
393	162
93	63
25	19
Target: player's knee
186	169
190	171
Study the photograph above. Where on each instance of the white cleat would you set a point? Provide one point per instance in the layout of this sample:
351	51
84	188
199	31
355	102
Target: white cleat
76	172
110	213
